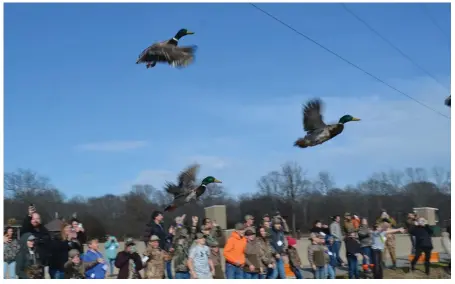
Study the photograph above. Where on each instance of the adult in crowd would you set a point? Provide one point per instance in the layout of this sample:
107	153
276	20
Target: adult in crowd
390	244
385	216
366	242
10	250
335	231
253	264
410	223
249	223
348	225
29	263
129	262
155	227
268	258
78	234
59	249
234	253
279	244
319	228
154	258
199	262
110	247
378	235
422	233
32	224
352	254
169	249
265	219
211	241
94	255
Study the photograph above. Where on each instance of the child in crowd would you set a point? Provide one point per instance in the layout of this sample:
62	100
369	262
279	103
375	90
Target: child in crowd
294	258
331	266
317	256
93	255
74	268
199	263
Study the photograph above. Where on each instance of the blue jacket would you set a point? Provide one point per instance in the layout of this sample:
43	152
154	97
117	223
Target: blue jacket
332	255
99	270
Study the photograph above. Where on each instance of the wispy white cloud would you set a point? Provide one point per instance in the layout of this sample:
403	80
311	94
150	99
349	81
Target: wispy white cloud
112	146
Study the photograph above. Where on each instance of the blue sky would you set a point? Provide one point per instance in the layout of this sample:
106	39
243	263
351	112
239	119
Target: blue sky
78	109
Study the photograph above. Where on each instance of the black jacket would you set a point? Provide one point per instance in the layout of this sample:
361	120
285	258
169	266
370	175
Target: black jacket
422	235
59	252
352	246
157	230
122	263
317	230
29	263
41	234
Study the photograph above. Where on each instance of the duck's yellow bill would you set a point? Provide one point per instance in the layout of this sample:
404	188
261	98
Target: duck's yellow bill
217	181
189	33
355	119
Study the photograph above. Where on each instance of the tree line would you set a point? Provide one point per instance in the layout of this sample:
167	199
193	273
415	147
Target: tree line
289	190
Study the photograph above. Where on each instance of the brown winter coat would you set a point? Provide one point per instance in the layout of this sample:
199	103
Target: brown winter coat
154	267
253	256
294	258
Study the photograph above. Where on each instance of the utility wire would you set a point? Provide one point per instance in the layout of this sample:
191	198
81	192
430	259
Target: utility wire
435	23
392	45
347	61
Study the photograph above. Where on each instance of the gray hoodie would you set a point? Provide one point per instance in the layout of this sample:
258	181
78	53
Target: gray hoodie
335	231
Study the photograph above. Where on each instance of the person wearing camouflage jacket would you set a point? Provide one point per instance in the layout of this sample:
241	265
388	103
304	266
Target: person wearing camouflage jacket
267	253
180	257
75	268
155	258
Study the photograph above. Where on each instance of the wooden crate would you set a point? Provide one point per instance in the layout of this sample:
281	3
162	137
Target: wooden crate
434	257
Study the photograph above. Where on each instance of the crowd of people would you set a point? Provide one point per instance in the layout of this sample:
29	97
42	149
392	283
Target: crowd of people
190	250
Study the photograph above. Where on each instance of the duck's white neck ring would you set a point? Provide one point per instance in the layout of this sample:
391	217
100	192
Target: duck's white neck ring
175	39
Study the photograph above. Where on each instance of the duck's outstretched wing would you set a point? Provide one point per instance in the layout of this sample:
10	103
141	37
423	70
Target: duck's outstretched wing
173	189
312	117
187	178
175	55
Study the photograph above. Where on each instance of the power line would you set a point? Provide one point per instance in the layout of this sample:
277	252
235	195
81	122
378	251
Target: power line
347	61
435	23
392	45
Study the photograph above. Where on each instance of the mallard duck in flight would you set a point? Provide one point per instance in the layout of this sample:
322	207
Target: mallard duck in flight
168	51
447	101
317	131
187	190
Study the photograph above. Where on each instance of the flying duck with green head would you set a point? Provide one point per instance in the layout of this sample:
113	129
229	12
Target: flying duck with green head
168	52
187	190
317	131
